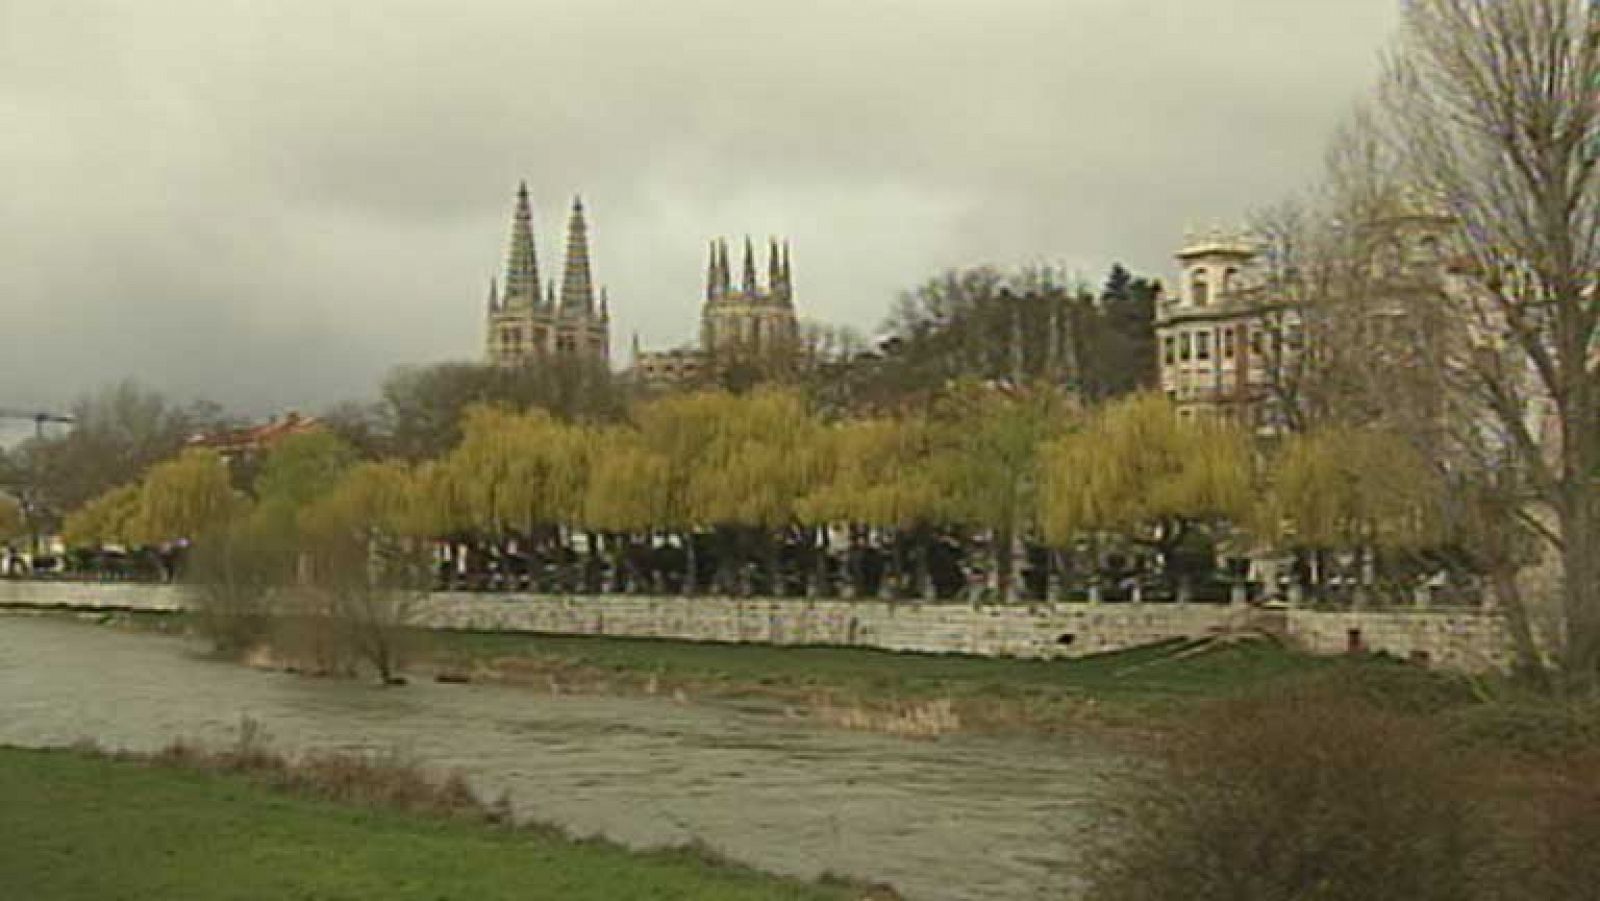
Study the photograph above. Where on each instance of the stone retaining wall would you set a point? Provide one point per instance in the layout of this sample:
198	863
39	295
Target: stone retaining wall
1042	630
1463	640
92	595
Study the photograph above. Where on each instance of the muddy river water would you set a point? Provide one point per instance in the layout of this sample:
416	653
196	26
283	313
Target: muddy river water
953	818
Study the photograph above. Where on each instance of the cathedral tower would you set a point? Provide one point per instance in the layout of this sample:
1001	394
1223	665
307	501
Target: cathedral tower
751	319
525	324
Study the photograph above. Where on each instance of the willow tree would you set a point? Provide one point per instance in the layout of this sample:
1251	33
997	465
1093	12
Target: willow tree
519	475
303	467
1494	113
878	473
184	498
627	489
1359	491
677	428
439	506
990	475
107	519
761	459
1139	470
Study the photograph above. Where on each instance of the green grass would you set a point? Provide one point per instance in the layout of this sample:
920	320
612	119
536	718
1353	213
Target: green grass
74	826
1147	679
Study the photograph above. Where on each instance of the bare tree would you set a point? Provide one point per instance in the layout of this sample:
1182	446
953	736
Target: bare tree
1492	107
1348	283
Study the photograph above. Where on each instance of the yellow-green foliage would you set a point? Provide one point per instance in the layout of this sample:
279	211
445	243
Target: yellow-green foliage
517	470
439	500
108	519
1349	488
1137	462
371	498
876	471
987	471
301	468
677	429
760	459
627	482
12	522
184	497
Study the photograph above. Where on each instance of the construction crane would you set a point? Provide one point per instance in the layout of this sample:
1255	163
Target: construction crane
39	418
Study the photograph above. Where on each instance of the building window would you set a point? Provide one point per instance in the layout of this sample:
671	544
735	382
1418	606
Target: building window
1255	341
1170	346
1199	288
1202	346
1227	343
1230	281
1183	346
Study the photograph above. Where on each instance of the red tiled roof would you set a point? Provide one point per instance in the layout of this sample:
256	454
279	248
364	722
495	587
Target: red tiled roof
256	437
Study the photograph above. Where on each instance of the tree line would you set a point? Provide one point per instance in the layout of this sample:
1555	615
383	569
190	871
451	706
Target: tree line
1025	489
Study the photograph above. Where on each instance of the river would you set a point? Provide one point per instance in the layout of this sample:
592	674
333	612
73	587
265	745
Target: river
954	818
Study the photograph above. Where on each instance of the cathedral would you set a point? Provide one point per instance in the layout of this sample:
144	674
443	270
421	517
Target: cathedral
748	318
526	323
741	322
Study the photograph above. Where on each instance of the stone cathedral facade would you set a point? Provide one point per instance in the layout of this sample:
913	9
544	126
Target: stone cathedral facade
527	319
742	323
747	317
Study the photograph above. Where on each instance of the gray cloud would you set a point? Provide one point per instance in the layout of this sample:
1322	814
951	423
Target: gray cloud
271	202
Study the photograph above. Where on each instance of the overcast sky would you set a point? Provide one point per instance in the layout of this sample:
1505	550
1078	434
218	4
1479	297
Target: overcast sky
272	203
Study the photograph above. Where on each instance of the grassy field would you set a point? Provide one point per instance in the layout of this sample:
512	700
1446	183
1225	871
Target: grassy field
74	826
1155	673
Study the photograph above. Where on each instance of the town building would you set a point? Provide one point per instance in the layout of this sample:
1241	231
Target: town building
527	320
1210	334
1250	335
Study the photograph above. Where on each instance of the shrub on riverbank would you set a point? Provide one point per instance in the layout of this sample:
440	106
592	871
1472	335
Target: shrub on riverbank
1300	795
1332	789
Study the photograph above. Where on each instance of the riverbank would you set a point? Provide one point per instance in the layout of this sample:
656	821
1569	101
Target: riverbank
905	694
79	825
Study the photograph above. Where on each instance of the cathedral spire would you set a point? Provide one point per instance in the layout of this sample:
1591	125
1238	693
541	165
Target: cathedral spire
577	289
774	269
749	268
713	274
724	271
522	264
788	276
